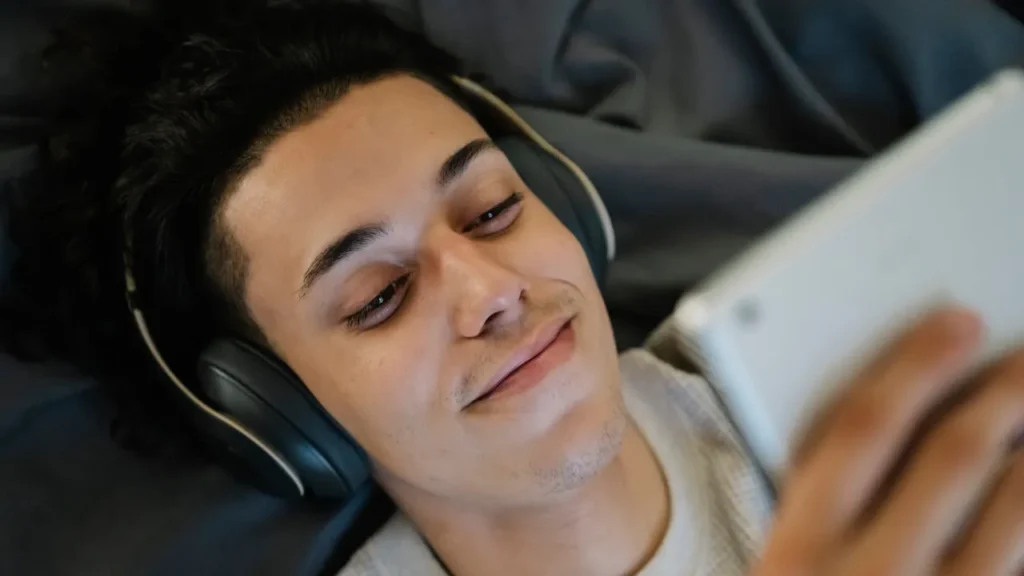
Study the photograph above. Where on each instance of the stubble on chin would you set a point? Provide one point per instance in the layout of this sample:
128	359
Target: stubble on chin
579	467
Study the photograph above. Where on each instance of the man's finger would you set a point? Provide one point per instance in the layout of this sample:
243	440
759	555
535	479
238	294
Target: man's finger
868	429
950	475
995	543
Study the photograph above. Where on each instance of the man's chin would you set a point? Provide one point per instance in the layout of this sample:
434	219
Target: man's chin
580	447
533	472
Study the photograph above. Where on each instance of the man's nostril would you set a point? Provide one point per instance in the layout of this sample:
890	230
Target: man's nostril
492	320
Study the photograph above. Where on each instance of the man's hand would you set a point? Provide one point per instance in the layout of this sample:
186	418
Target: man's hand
955	506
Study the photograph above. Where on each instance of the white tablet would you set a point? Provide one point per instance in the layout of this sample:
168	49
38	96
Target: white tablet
937	219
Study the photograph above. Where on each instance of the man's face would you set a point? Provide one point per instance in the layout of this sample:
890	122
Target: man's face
401	267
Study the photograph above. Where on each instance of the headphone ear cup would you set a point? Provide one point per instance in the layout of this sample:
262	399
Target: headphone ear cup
238	453
260	392
561	191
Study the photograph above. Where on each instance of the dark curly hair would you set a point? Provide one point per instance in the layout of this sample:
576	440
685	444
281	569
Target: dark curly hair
168	110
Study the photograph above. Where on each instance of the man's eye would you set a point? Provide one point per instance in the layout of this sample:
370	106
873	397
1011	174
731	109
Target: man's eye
497	218
381	307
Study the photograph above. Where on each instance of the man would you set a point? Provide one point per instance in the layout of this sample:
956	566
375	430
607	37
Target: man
305	179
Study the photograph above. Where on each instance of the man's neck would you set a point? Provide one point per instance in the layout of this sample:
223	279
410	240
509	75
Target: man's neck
610	525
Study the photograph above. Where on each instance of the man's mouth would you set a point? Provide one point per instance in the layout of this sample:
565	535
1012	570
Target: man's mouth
544	350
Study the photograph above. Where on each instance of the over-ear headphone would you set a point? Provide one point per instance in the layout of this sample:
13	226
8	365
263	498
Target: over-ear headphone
256	413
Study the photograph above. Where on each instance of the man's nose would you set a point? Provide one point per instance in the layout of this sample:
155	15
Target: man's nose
484	292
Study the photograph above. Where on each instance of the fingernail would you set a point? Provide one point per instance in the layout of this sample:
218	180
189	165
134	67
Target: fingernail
960	323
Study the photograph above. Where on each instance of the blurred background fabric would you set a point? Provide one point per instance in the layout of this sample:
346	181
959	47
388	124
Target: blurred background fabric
702	122
1014	7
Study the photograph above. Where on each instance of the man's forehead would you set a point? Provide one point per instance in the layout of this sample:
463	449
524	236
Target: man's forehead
380	145
385	134
379	120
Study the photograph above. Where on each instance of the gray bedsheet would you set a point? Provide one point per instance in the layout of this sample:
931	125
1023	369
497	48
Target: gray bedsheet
702	122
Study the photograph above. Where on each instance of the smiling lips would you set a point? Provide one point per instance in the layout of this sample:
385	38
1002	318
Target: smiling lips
549	348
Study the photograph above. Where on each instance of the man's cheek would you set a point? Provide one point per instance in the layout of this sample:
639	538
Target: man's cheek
573	263
386	394
401	435
555	254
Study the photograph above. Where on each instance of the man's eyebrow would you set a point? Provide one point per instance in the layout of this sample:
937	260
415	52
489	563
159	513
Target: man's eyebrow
339	250
457	163
363	236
